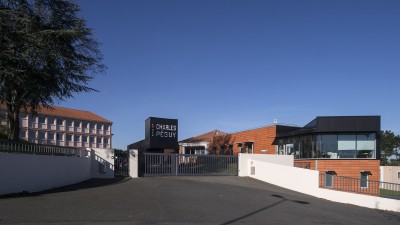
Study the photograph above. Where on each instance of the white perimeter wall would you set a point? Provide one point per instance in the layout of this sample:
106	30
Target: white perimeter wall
133	163
307	182
24	172
32	173
102	157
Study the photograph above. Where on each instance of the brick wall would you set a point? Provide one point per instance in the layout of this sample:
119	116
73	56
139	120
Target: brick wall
346	168
263	139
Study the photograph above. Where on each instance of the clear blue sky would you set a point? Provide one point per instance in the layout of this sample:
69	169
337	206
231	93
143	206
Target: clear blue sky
234	65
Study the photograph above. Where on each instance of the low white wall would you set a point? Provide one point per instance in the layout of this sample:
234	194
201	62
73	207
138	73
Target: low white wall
133	163
23	172
245	161
102	162
307	182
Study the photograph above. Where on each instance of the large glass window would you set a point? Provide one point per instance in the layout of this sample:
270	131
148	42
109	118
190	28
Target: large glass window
346	145
329	146
366	145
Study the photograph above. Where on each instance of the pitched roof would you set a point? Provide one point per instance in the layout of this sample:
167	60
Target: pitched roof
69	113
204	137
72	113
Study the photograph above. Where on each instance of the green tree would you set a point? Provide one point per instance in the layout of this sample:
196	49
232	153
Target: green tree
390	143
47	53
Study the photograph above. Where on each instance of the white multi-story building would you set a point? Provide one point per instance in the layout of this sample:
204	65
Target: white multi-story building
66	127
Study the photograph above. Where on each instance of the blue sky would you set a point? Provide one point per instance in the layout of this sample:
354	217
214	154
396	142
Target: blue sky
233	65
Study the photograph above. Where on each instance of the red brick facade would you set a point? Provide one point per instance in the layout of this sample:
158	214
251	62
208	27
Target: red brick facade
345	168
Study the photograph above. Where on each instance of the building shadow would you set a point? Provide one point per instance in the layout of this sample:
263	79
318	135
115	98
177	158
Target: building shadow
283	199
88	184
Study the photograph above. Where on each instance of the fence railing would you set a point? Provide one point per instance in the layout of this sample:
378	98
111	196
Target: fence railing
30	148
361	186
189	165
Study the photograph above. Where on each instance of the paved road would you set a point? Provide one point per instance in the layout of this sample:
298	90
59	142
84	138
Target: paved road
184	200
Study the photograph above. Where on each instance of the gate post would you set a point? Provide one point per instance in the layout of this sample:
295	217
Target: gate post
133	162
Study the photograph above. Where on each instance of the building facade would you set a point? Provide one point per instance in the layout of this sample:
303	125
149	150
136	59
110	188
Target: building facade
66	127
339	145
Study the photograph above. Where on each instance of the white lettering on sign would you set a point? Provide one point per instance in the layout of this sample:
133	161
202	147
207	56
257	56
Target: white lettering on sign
163	130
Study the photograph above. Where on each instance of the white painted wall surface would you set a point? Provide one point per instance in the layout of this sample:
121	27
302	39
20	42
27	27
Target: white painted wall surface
25	172
133	163
245	161
307	182
390	174
102	157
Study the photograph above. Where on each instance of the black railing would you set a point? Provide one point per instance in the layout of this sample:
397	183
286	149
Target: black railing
38	149
361	186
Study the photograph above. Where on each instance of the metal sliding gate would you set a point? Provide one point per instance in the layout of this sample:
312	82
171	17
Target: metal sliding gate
121	163
189	165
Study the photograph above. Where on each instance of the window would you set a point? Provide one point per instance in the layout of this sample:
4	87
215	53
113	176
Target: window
364	179
42	119
84	124
92	125
69	137
105	140
77	123
50	136
98	140
366	145
346	145
42	135
84	138
32	135
329	178
60	122
69	123
59	136
22	133
106	127
99	126
77	138
51	120
91	139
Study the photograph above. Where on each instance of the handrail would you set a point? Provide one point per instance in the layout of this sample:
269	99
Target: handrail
361	186
39	149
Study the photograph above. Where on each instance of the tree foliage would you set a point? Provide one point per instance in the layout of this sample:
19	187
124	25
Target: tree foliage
47	53
390	144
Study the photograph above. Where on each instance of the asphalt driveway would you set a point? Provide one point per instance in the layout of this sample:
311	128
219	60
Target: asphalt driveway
183	200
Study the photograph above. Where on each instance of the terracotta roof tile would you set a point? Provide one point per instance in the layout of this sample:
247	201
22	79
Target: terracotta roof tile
70	113
204	137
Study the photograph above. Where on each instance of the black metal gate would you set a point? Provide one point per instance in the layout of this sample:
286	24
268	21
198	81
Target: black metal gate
155	164
121	163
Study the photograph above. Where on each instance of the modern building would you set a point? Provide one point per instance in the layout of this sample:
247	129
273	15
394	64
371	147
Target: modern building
66	127
340	145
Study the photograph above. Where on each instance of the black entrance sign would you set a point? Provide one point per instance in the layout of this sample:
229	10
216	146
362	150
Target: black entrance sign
161	133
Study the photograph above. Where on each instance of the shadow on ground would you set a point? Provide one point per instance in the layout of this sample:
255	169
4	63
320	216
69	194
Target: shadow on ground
91	183
283	199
